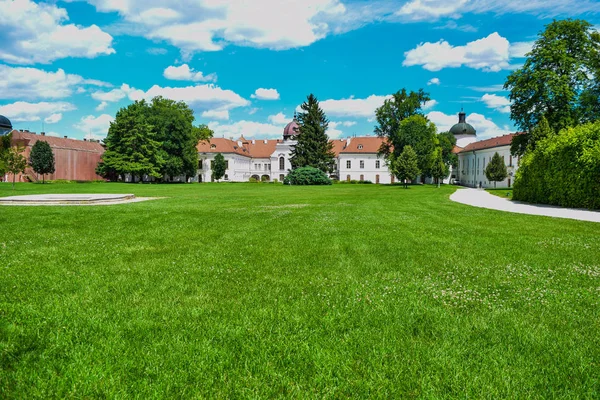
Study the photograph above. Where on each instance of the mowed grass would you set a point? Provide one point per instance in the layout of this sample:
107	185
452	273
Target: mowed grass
261	291
506	192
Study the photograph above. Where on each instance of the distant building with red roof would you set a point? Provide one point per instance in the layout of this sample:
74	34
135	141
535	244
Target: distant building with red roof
73	159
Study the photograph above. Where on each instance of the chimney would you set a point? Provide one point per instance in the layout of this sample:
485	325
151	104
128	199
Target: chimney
43	133
65	137
253	141
84	139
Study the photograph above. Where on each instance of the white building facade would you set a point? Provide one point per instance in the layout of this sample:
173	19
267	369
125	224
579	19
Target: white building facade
269	160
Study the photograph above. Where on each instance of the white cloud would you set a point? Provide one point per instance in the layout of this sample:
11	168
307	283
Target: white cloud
352	107
95	127
200	97
216	114
489	54
486	128
519	49
491	88
279	119
156	51
213	24
433	10
252	129
32	83
453	25
433	81
185	73
349	123
266	94
36	33
498	103
53	119
419	10
113	95
428	105
22	111
101	106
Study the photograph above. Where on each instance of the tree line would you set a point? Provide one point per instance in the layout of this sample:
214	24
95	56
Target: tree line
153	140
556	103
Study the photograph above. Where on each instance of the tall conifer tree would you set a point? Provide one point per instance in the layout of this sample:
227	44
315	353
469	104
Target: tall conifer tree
313	148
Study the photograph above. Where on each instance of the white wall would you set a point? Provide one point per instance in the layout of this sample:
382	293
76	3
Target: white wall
471	167
369	171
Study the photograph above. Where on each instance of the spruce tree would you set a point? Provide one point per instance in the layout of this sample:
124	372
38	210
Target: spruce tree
406	166
41	159
313	148
218	167
496	170
439	170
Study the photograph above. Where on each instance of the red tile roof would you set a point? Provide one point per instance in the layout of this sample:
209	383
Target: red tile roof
363	145
457	149
29	139
504	140
262	148
338	145
222	145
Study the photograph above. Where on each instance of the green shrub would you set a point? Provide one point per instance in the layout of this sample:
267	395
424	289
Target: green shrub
253	180
563	170
307	176
264	178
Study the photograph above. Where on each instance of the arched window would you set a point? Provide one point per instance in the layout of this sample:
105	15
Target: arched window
281	163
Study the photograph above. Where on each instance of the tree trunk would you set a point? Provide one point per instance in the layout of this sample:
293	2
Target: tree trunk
43	178
14	177
494	184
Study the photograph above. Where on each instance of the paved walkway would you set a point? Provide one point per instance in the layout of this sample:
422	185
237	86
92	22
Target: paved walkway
71	199
483	199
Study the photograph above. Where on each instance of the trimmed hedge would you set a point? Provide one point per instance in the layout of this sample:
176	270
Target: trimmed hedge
563	170
307	176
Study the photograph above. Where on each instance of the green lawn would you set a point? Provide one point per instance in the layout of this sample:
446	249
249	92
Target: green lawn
256	291
501	192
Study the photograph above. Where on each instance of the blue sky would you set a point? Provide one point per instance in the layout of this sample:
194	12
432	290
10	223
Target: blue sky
245	66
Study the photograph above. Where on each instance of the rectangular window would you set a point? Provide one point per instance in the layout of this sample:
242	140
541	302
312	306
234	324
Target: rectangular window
212	164
226	164
377	164
362	164
510	161
200	164
348	164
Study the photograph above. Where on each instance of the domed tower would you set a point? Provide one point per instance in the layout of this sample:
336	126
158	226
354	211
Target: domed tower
5	126
292	129
463	132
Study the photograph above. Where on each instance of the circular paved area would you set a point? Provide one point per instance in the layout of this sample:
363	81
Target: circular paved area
483	199
70	199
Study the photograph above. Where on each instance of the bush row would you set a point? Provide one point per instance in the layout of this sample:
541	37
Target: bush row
307	176
563	170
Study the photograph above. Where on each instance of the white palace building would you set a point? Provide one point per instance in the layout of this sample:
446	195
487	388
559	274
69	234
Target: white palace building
269	159
356	158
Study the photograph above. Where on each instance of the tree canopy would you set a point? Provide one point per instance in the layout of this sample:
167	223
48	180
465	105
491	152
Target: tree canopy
496	171
390	115
41	158
313	148
218	167
4	149
560	81
405	167
131	145
15	162
164	137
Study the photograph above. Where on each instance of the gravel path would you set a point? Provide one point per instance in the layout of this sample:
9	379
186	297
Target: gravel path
483	199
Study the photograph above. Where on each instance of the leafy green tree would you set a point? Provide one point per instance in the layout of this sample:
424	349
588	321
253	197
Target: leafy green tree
496	170
313	148
131	145
15	162
4	149
562	170
390	115
439	169
41	158
560	81
306	176
172	123
447	141
218	167
419	133
406	166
